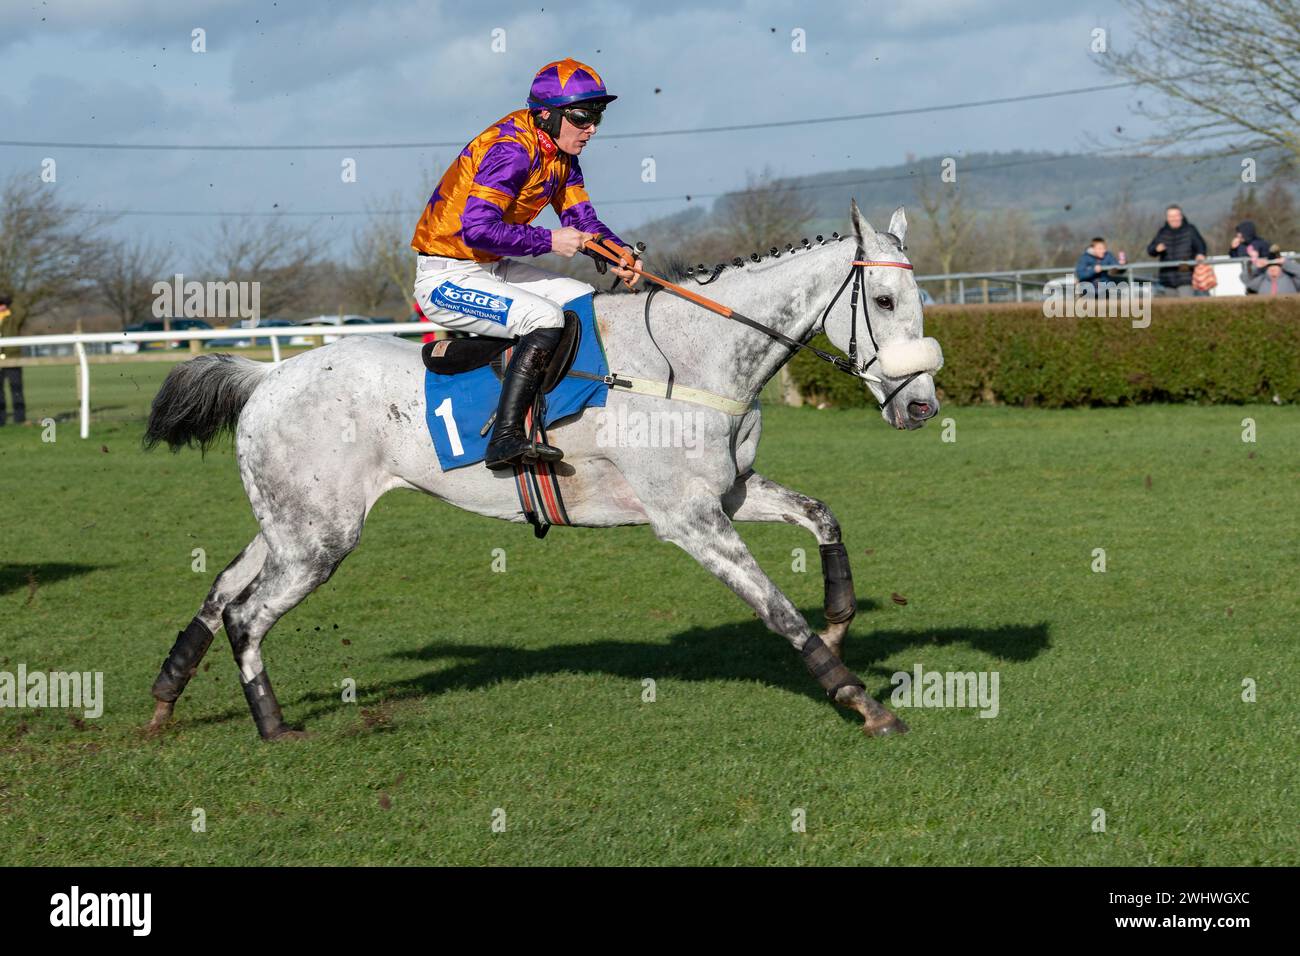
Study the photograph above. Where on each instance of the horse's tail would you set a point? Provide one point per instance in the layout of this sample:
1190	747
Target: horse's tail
202	398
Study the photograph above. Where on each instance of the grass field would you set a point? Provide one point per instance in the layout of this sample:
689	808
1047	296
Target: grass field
522	691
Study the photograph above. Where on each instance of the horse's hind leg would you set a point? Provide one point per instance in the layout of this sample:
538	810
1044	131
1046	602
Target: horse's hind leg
193	642
296	566
756	498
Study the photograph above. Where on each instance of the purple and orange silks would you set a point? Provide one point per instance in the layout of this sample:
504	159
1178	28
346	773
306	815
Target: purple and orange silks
482	208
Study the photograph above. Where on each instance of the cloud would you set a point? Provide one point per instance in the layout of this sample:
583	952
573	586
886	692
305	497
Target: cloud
415	70
129	23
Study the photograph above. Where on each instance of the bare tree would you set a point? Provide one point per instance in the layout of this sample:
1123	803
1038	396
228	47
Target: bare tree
1273	212
949	235
1060	244
1129	226
123	274
767	212
383	262
42	242
272	253
1230	70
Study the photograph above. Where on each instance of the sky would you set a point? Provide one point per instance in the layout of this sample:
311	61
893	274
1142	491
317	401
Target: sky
415	71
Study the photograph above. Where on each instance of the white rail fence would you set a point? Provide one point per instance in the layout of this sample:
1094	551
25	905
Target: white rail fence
79	341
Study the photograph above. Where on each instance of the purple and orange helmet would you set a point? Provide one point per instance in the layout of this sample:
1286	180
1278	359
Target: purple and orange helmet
566	82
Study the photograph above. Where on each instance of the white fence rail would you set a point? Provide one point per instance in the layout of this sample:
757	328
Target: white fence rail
79	341
1021	285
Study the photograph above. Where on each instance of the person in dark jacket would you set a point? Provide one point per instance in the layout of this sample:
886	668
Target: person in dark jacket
1247	244
1097	265
1178	240
14	375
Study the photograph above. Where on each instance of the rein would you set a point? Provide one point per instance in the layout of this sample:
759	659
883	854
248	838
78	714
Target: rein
848	366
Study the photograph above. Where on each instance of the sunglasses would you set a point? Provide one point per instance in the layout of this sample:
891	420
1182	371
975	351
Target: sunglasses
582	117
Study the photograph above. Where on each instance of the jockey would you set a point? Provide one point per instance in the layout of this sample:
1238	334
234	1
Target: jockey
480	212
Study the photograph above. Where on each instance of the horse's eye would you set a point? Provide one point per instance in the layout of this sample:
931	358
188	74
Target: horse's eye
885	302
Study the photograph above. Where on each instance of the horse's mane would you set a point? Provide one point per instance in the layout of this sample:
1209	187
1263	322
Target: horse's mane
678	270
755	262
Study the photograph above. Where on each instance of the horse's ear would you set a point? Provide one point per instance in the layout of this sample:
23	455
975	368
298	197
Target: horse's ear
861	228
898	225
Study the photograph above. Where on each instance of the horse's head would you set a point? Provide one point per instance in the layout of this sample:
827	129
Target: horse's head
886	334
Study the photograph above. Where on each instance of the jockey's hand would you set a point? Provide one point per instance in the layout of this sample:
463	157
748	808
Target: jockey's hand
630	277
568	241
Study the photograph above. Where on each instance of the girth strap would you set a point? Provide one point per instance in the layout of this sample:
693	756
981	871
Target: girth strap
677	393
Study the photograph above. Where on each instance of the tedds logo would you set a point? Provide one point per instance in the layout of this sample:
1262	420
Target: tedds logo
471	302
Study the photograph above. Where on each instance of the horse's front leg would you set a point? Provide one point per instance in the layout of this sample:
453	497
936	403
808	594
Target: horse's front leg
702	529
756	498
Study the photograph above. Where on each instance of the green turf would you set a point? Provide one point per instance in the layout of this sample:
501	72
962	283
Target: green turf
522	691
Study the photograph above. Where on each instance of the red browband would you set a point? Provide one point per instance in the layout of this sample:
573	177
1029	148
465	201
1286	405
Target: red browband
868	262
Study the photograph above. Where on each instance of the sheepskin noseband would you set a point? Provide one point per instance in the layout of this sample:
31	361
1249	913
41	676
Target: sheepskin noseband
900	359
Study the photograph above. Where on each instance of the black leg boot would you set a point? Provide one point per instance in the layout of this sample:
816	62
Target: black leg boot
523	377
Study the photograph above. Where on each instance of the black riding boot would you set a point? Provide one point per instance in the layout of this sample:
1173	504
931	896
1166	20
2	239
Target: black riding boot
523	377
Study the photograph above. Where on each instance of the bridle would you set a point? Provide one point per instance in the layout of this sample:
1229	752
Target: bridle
857	273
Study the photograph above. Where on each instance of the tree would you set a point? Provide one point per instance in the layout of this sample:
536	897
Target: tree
383	262
123	275
42	242
1061	244
1230	70
1274	215
274	254
767	212
948	234
1128	227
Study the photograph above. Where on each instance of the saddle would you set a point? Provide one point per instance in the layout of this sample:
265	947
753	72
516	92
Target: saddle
454	356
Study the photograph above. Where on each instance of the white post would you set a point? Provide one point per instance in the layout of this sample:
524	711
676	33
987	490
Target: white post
84	367
275	349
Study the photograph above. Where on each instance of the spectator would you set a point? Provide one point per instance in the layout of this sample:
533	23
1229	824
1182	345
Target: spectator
1247	244
1278	278
14	376
1097	265
1177	241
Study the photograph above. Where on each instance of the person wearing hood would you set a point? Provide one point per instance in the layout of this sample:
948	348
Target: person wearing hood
1247	243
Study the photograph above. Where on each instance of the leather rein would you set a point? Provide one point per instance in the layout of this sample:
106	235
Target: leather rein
857	273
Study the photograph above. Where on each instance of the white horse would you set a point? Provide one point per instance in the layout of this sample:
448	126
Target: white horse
321	436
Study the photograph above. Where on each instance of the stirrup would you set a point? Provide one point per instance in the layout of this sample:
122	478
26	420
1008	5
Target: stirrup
518	452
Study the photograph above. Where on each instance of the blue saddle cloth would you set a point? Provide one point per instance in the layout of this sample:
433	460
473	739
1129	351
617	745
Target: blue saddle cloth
458	406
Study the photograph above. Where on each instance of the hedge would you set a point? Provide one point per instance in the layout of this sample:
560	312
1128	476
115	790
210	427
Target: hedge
1240	349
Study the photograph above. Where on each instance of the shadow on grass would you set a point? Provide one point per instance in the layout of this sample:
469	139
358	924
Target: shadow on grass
16	576
745	651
